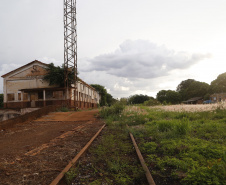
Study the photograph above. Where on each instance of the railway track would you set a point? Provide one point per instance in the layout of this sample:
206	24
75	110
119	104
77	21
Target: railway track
76	158
58	179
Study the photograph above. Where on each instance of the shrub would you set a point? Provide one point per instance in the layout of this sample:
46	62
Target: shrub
64	109
115	109
165	125
181	127
151	102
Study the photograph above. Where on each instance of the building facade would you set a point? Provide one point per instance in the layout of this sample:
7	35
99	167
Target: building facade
24	87
218	97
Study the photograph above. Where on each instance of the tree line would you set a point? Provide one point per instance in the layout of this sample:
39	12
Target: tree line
186	90
191	88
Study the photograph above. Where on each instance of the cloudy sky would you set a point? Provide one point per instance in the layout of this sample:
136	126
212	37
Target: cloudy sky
128	46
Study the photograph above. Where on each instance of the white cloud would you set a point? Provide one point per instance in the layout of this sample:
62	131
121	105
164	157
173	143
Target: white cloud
139	67
142	59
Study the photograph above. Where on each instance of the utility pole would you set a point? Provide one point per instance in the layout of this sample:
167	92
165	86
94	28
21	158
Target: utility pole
70	44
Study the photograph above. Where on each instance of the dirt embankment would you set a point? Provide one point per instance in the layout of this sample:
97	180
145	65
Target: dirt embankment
34	153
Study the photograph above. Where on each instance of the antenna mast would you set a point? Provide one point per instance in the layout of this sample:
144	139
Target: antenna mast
70	42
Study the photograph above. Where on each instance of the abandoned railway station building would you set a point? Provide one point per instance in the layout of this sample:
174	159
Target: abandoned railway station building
24	87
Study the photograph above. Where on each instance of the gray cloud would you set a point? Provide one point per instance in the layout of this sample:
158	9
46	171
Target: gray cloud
142	59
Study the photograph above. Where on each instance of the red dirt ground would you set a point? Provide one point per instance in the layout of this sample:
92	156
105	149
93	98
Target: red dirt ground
35	153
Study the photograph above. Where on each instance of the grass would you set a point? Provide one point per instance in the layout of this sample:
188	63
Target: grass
188	147
179	147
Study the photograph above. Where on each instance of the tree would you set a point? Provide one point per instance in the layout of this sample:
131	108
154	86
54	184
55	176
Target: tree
103	93
197	89
161	96
110	100
183	87
191	88
218	85
55	75
138	99
124	101
169	96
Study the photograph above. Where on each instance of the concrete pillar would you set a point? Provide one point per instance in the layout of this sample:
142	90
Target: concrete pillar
16	96
22	96
44	97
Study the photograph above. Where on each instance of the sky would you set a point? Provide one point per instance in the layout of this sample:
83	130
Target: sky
130	47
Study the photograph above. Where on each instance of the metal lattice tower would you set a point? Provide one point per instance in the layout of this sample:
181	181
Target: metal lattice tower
70	41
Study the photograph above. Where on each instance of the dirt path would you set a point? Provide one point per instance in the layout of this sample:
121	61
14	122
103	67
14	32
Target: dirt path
34	153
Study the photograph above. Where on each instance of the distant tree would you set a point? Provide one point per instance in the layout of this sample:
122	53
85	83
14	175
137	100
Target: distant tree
183	87
55	75
138	99
161	96
197	89
1	100
103	93
124	101
207	96
218	85
191	88
110	100
168	96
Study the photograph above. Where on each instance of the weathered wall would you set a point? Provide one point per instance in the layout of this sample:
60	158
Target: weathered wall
71	103
27	117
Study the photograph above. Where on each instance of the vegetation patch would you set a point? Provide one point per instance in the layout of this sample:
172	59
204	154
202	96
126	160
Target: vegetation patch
178	147
185	147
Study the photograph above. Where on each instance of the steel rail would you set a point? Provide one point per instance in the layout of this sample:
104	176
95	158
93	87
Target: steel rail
145	168
71	163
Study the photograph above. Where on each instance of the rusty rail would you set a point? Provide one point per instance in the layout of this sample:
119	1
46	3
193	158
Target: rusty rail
71	163
145	168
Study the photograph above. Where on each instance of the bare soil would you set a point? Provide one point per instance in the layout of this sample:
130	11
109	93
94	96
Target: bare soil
36	152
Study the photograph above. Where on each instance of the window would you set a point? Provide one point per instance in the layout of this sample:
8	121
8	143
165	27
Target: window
40	95
25	96
19	96
49	94
10	97
58	94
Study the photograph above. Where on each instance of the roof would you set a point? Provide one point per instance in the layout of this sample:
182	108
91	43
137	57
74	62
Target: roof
35	61
193	99
79	79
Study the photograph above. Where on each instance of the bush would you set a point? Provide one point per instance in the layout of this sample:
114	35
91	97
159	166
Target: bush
115	109
152	102
64	109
